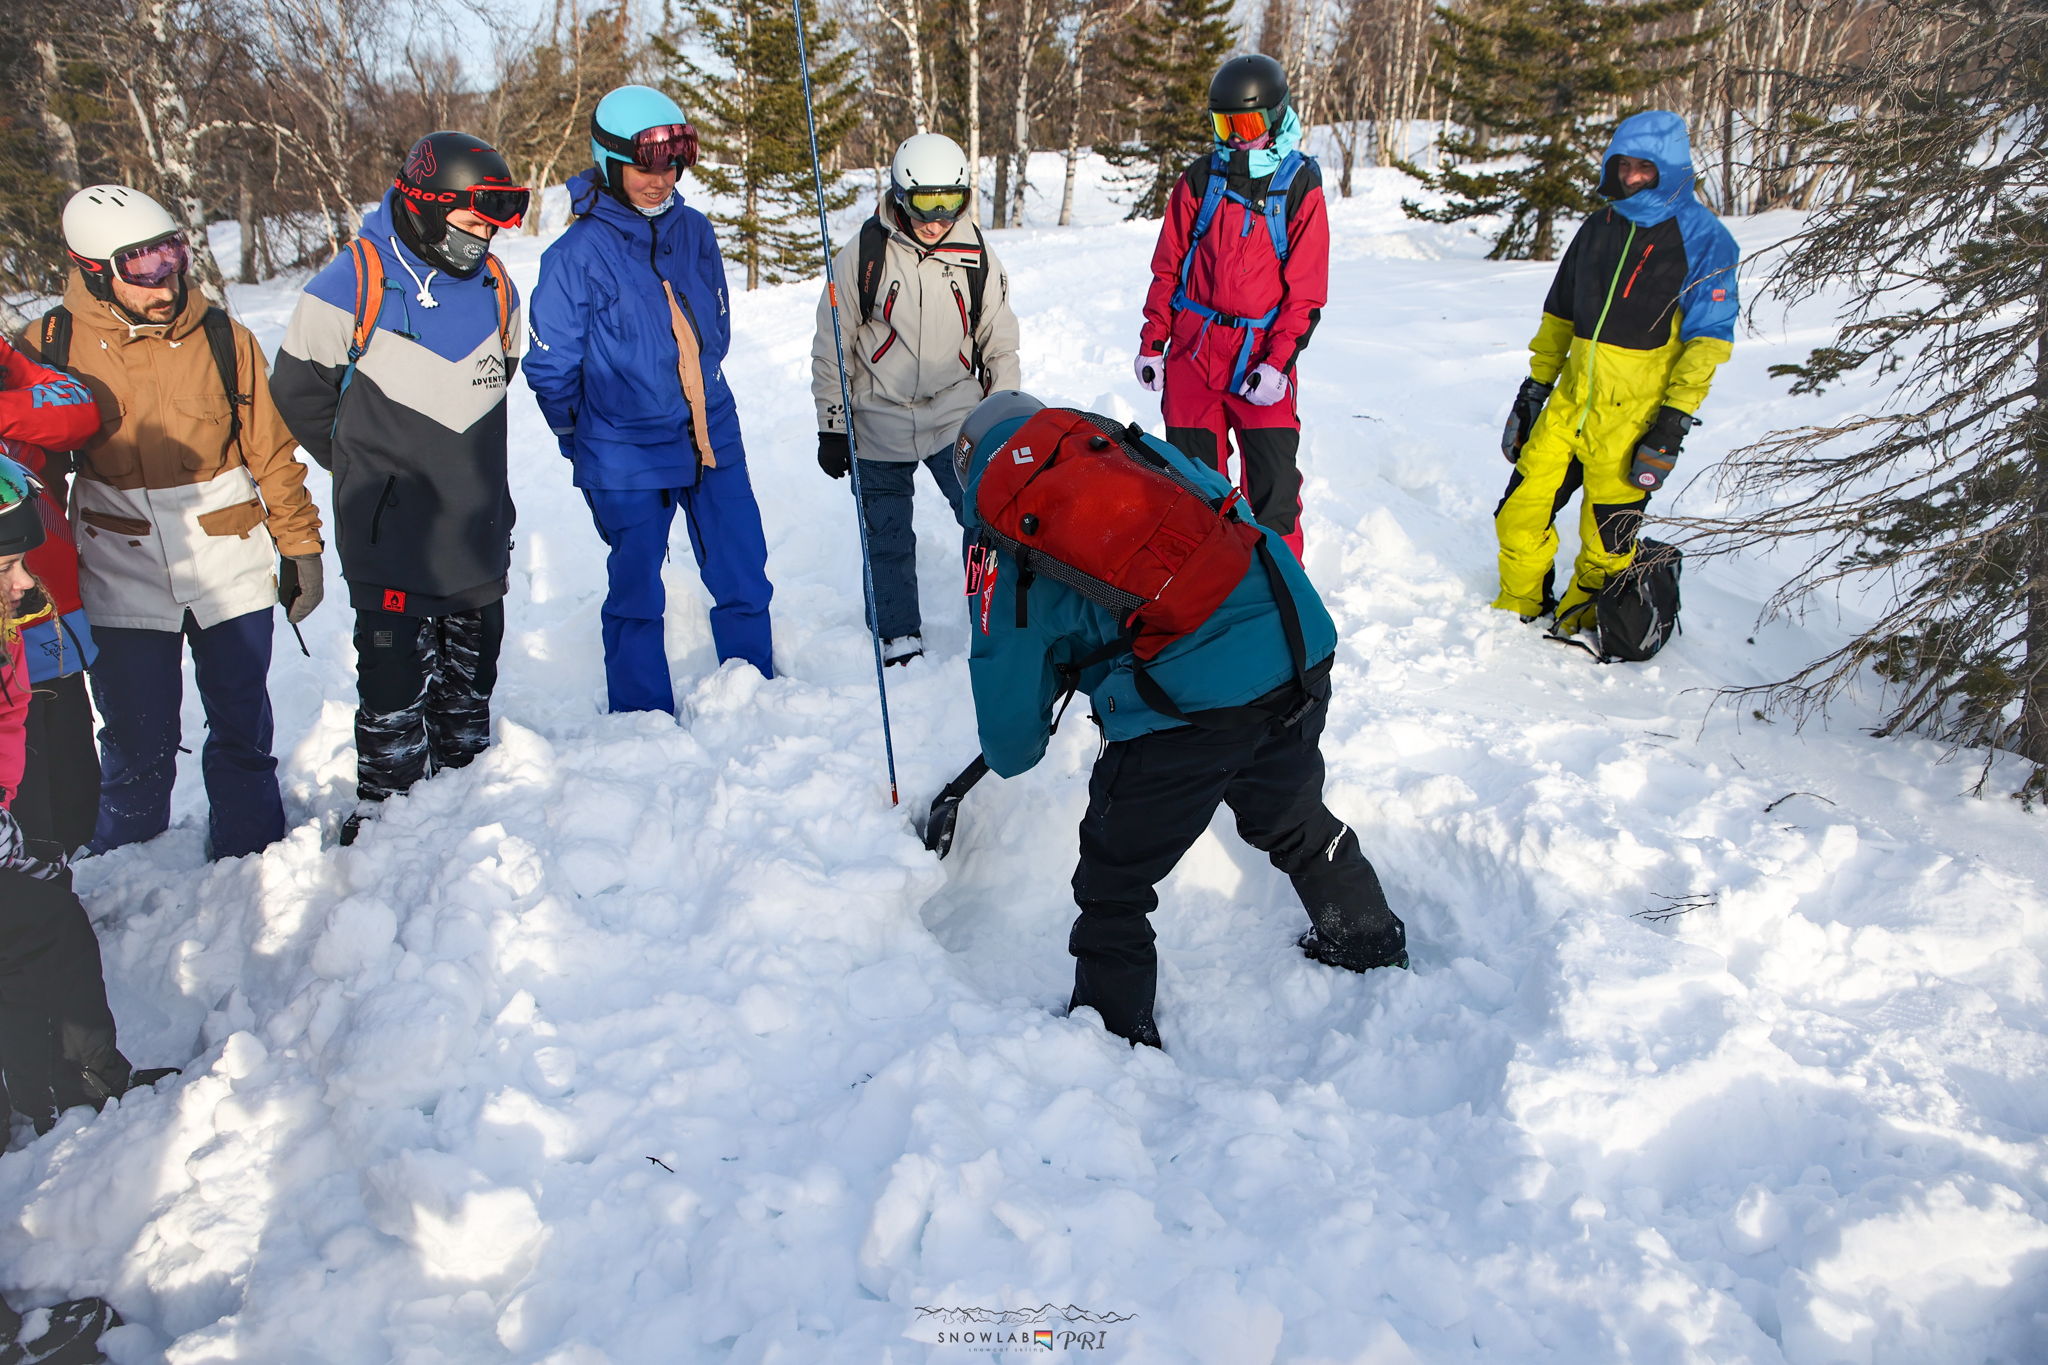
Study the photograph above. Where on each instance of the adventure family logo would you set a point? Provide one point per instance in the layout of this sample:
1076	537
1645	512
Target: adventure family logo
490	373
1020	1331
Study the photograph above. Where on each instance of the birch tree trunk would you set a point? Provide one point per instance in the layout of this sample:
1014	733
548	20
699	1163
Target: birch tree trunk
974	103
63	141
156	94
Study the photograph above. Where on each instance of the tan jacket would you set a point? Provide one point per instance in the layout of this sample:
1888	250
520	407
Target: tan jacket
172	516
908	365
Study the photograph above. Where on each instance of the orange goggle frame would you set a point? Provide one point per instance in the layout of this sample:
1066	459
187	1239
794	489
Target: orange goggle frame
1248	126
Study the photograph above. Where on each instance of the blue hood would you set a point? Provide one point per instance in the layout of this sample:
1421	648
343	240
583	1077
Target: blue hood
1659	136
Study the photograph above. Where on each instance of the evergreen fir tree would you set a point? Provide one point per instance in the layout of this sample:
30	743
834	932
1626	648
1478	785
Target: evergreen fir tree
1939	500
749	114
1537	81
1172	54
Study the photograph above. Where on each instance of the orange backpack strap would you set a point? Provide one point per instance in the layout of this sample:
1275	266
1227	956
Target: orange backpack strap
369	296
502	282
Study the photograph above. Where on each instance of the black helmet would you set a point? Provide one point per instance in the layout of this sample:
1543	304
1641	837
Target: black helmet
448	171
1251	84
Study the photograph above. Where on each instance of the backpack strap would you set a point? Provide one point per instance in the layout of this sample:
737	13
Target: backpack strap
502	283
55	342
1214	183
874	242
1278	209
220	339
370	289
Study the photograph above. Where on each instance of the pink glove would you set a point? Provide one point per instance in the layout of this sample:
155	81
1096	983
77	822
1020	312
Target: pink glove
1264	386
1151	371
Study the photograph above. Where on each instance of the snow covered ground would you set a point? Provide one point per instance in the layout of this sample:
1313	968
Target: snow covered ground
638	1042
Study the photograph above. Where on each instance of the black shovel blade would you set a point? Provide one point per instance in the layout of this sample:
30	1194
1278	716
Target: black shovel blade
938	826
945	812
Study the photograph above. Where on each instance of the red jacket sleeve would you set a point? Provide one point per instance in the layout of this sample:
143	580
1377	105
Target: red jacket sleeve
1167	255
42	406
1306	281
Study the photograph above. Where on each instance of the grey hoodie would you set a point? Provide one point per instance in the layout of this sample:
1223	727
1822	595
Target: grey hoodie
909	367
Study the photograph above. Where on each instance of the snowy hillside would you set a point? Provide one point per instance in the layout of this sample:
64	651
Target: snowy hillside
640	1043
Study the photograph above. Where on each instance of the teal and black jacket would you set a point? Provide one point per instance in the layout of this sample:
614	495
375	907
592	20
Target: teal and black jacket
1237	656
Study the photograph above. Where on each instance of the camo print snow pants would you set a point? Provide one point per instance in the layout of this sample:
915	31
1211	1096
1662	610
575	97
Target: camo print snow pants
423	685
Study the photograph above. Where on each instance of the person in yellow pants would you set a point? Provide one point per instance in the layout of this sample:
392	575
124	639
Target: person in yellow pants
1641	312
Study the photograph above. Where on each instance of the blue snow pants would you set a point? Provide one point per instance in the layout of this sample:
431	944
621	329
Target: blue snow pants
138	686
732	558
885	499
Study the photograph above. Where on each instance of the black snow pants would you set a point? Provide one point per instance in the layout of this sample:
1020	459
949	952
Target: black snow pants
423	687
56	1033
59	801
1150	798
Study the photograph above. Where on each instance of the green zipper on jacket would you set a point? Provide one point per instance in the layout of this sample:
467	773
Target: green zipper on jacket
1593	350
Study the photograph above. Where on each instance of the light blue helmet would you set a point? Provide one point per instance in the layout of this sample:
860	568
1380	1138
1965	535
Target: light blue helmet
622	116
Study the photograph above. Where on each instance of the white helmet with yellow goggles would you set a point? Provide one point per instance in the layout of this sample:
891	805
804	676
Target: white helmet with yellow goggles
929	179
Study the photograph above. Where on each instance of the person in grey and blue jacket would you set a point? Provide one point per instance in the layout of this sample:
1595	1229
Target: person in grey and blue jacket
413	428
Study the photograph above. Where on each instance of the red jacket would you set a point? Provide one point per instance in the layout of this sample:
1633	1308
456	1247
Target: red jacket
1237	272
41	410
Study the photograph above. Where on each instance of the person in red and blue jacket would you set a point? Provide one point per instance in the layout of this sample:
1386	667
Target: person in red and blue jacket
1239	278
58	800
57	1045
630	326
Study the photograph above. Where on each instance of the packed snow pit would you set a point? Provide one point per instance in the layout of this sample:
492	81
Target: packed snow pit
640	1041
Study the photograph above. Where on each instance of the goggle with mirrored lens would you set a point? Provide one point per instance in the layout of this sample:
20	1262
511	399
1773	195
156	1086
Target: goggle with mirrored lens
665	145
153	264
1247	126
936	205
17	484
502	206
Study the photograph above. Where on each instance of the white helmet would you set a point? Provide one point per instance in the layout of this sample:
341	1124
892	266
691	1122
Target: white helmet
102	221
929	179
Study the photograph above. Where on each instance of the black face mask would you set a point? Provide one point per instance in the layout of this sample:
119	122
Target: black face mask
459	253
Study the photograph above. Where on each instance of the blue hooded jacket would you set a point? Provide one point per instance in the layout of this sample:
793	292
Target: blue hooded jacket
603	359
1659	136
1237	656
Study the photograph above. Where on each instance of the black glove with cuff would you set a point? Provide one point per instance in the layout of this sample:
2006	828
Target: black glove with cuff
1657	451
835	453
1529	400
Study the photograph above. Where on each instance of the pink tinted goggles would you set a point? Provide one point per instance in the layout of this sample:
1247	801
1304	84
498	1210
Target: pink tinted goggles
153	264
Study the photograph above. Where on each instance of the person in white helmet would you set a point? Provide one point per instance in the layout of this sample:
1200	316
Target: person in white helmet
184	502
925	307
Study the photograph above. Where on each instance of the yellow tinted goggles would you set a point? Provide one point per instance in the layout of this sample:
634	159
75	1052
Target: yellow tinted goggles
931	204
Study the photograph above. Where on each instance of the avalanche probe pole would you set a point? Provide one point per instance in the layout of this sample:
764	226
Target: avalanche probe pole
867	564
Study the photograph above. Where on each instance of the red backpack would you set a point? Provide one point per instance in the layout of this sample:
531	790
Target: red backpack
1088	502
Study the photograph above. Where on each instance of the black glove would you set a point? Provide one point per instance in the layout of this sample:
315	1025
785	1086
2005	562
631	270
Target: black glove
1529	400
835	455
1657	451
300	586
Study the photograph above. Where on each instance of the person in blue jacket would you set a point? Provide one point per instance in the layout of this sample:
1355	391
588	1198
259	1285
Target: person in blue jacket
630	327
1248	735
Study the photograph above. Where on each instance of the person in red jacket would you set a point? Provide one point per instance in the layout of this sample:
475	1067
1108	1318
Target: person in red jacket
58	802
1239	278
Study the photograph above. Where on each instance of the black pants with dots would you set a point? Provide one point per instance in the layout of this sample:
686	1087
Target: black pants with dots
423	685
